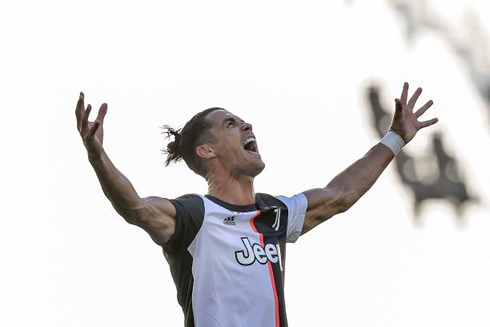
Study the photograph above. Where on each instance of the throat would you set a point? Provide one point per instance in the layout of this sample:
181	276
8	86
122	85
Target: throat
233	191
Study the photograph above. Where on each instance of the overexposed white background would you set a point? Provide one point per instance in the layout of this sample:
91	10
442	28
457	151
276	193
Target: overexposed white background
296	71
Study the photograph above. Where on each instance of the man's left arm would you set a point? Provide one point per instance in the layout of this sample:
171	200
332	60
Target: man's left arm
351	184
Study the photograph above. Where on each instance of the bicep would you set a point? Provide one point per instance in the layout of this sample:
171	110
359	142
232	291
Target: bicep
157	218
323	203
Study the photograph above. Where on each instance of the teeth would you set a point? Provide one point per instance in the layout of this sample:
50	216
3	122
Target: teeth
252	148
250	139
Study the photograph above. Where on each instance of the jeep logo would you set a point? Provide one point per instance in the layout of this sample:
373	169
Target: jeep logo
255	251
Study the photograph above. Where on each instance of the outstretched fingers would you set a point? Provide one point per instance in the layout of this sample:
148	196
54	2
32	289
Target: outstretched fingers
102	112
421	111
85	116
428	123
404	96
424	108
414	98
79	110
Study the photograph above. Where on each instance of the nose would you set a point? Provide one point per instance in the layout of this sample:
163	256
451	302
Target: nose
246	126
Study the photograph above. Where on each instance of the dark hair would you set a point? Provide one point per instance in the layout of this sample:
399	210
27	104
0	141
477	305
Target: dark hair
195	132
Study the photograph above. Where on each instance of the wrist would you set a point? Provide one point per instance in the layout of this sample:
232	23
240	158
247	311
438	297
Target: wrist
95	157
393	141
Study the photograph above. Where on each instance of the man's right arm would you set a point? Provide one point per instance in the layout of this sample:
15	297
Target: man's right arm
153	214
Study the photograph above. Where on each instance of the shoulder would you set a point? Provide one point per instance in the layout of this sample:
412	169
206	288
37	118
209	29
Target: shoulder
189	217
281	200
264	199
188	201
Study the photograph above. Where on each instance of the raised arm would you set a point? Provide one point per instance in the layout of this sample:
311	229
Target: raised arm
153	214
351	184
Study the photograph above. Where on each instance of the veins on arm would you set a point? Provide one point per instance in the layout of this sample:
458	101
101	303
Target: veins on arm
156	216
346	188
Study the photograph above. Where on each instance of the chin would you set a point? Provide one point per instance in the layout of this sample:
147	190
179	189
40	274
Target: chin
258	169
250	171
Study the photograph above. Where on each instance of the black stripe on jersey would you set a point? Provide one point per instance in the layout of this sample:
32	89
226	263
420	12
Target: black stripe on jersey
274	232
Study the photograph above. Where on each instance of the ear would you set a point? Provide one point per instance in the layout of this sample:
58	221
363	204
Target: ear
205	151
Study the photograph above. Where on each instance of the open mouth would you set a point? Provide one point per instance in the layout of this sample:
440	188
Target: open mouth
251	145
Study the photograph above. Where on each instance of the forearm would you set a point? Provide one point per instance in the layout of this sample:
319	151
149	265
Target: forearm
358	178
351	184
116	186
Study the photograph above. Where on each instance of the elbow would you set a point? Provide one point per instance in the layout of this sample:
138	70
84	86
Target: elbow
349	200
342	206
131	216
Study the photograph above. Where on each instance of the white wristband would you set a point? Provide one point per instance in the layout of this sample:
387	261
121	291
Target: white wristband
393	141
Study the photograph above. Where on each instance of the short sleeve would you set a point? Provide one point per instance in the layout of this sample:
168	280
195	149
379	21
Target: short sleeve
297	206
188	220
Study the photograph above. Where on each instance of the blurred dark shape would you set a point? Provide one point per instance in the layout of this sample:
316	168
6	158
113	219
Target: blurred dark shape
468	39
416	16
445	183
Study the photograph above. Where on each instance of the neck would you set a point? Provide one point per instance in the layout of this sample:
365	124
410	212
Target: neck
237	191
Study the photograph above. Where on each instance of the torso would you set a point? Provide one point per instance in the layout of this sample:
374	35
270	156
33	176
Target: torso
228	261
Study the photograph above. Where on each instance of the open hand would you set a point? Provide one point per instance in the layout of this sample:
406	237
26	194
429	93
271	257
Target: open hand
92	133
405	122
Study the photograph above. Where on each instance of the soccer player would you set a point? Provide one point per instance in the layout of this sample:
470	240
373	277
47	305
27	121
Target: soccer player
226	250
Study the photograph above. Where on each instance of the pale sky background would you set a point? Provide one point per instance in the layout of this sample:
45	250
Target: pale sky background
296	71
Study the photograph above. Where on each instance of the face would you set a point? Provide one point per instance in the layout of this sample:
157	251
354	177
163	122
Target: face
236	148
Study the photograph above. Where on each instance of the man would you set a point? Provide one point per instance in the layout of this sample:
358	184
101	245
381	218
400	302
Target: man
226	250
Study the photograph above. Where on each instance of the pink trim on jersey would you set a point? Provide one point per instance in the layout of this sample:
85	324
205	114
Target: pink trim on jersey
271	272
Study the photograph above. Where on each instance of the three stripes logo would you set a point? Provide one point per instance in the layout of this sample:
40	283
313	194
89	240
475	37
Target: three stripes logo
230	221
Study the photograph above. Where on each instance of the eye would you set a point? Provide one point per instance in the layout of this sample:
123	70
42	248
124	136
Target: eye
230	124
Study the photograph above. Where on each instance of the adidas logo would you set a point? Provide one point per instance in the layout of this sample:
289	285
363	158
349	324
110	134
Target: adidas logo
230	221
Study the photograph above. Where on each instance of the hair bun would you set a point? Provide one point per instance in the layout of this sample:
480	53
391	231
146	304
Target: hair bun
173	150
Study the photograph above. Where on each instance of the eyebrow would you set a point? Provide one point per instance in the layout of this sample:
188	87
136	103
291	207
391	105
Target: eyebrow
232	119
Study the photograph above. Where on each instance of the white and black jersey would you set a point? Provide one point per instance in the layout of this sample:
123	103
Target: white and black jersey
227	261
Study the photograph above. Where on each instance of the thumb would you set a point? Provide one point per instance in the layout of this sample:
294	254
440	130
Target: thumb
398	105
102	112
